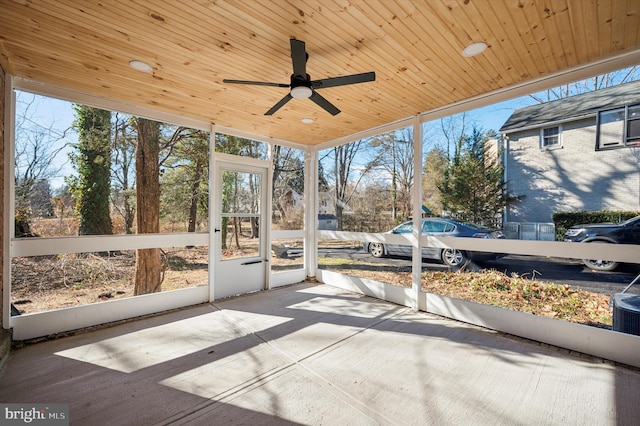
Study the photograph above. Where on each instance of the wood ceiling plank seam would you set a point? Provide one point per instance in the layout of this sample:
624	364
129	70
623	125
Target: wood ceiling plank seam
449	81
534	64
499	73
604	24
579	30
285	56
500	42
541	54
193	75
340	56
531	20
422	35
616	24
558	38
5	61
47	46
393	32
466	63
93	30
384	20
319	55
184	55
632	28
283	67
566	34
487	68
192	34
211	62
592	35
343	89
256	38
139	87
359	51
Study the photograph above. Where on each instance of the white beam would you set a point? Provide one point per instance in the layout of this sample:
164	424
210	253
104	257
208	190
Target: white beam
416	263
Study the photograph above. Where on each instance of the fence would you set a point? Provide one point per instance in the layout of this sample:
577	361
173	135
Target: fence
530	231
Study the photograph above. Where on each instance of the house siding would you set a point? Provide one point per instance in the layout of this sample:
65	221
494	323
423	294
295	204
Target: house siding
573	177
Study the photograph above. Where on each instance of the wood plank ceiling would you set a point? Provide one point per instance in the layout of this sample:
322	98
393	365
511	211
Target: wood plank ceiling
413	46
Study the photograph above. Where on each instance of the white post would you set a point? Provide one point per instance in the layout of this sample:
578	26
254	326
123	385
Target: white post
416	264
311	213
8	211
212	224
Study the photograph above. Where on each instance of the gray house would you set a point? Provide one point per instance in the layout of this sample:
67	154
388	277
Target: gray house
574	154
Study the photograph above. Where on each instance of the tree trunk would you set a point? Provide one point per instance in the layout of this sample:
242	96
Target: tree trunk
148	264
195	195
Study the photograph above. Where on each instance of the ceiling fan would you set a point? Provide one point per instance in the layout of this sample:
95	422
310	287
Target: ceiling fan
302	86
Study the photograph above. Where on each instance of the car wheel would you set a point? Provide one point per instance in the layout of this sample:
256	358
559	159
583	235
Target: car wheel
376	249
453	257
600	265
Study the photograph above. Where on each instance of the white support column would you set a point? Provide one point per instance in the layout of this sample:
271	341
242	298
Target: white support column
212	225
416	264
311	213
268	207
8	211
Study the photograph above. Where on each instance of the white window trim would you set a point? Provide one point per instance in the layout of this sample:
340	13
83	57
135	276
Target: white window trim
544	147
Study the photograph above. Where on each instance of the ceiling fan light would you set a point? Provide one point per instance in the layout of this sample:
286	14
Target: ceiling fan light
301	92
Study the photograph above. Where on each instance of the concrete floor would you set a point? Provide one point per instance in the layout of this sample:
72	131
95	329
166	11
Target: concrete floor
315	354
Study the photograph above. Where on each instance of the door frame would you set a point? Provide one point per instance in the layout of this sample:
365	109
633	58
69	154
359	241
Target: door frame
218	287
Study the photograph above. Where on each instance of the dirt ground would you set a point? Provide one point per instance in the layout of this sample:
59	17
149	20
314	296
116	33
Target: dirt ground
50	282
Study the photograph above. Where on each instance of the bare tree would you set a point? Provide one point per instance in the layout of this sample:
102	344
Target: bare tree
123	169
588	85
395	156
38	158
343	161
453	129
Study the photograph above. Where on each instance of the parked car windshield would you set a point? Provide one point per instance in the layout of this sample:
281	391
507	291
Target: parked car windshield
475	226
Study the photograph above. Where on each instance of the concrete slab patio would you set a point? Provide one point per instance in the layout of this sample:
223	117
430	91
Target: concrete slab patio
315	354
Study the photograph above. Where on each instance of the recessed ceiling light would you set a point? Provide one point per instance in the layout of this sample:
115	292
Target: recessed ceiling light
474	49
140	66
307	120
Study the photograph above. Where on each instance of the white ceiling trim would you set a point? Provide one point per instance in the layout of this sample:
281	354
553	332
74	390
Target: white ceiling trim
100	102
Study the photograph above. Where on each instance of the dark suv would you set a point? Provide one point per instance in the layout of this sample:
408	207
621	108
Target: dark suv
618	233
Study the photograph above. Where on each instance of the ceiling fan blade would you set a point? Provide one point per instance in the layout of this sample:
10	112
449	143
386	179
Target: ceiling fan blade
323	103
299	58
279	105
344	80
255	83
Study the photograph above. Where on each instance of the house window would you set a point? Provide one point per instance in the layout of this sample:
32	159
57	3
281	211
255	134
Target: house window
633	125
550	137
619	127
